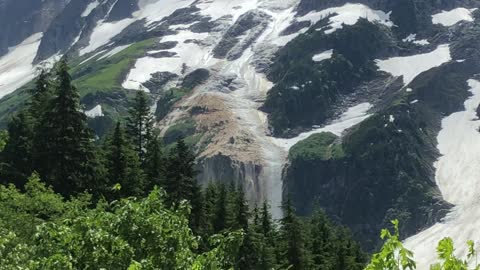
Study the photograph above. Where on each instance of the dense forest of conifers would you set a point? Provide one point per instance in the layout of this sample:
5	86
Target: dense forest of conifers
70	200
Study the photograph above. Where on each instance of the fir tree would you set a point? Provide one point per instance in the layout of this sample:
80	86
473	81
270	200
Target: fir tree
210	206
221	210
154	165
122	165
17	157
241	207
294	249
140	124
250	251
180	182
322	241
41	94
66	156
268	233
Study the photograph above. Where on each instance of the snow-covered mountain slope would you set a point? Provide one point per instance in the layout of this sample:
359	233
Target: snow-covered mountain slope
254	85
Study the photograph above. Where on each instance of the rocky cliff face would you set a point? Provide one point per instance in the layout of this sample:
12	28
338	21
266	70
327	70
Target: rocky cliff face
246	82
21	19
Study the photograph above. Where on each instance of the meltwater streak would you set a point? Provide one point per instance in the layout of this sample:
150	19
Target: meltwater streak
458	177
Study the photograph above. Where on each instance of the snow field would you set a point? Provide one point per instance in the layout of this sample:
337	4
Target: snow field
411	66
454	16
458	178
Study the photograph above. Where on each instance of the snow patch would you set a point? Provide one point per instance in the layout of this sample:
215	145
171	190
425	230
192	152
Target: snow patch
458	178
452	17
90	8
16	68
219	8
93	56
103	34
348	14
391	119
350	118
188	53
322	56
156	10
413	39
411	66
114	51
95	112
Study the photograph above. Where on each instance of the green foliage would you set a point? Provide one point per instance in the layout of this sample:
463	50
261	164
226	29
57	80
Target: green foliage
140	124
293	242
3	139
65	154
319	146
135	233
123	166
394	256
180	182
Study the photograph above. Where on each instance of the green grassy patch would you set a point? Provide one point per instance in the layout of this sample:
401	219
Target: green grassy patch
317	147
107	74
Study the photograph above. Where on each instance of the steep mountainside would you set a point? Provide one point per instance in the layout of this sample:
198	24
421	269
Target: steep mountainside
337	104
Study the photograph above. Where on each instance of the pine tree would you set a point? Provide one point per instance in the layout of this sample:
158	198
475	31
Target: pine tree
17	159
122	165
180	183
140	124
294	249
66	156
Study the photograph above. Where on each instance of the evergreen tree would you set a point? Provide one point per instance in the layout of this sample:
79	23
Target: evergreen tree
266	220
221	210
294	250
41	95
268	233
241	207
154	163
210	205
348	254
66	157
180	183
231	208
122	165
322	241
250	251
17	160
140	124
